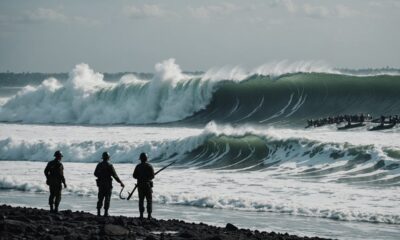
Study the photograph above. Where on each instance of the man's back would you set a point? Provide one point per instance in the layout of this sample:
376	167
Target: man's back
102	171
143	172
54	172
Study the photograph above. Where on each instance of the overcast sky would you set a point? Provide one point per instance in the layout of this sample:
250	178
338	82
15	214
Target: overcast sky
122	35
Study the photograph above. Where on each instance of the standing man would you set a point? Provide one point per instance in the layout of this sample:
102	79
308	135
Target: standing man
105	172
144	173
54	173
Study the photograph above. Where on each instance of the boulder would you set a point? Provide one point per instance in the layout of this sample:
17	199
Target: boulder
231	227
115	230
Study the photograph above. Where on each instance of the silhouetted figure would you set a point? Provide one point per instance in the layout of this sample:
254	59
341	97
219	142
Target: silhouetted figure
362	118
144	173
382	120
54	173
105	172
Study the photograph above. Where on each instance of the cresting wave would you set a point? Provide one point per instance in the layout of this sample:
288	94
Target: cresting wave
227	150
273	93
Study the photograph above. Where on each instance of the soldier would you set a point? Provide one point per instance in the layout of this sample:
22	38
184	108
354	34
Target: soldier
54	173
104	173
144	173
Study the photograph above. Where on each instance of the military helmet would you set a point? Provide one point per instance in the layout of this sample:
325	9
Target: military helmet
105	155
143	157
58	153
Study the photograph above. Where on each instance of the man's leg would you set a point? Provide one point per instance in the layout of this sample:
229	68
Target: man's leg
107	196
57	189
51	198
100	198
149	199
141	202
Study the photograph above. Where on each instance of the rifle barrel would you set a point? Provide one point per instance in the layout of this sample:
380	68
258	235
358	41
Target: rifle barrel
131	193
164	167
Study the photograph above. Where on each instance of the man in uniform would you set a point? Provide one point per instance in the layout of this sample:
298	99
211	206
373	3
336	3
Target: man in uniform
54	173
105	172
144	173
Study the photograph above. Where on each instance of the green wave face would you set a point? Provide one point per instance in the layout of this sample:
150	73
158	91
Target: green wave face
297	158
296	97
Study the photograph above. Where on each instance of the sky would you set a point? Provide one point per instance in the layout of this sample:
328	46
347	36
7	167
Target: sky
122	35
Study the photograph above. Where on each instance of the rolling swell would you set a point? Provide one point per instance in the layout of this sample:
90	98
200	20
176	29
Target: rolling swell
298	158
245	152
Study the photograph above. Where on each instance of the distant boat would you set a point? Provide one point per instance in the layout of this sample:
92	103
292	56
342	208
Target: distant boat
382	127
349	126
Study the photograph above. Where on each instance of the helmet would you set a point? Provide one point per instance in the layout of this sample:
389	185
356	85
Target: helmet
58	153
105	155
143	157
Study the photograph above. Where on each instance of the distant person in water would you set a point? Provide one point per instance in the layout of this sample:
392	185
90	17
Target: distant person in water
382	120
144	173
105	172
54	173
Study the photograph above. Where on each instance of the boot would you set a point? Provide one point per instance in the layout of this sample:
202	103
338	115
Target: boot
141	216
56	209
98	212
149	216
51	208
105	212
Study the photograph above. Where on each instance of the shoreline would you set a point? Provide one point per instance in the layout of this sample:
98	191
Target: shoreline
33	223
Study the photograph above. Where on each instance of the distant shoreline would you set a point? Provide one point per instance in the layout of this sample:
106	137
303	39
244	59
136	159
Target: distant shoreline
33	223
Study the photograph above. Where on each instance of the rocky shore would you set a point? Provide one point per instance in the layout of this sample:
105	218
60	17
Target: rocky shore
31	223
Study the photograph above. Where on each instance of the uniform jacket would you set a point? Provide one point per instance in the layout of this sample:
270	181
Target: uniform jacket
54	172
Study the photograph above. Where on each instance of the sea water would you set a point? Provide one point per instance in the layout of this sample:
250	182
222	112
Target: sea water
237	138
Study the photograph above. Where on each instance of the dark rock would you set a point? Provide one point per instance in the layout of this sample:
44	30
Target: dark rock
115	230
56	238
186	234
215	238
121	221
29	223
231	227
15	226
150	237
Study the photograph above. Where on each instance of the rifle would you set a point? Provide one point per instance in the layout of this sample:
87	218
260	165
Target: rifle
131	193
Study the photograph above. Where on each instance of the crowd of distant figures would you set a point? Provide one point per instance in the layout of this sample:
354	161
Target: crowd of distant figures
349	119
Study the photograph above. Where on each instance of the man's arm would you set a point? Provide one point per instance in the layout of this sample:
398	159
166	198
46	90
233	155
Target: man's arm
115	176
46	170
135	173
151	172
62	175
96	171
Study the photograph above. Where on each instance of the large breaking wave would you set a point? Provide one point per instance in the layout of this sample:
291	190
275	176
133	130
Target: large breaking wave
272	93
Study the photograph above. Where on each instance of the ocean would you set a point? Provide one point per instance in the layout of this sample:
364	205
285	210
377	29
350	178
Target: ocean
242	152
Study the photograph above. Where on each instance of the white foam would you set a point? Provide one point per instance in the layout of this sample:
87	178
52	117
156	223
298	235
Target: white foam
87	98
238	191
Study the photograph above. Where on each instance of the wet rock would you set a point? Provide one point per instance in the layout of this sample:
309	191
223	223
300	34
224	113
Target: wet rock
150	237
186	234
215	238
115	230
15	226
29	223
231	227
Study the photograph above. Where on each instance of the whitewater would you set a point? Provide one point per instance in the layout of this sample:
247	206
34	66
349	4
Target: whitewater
238	138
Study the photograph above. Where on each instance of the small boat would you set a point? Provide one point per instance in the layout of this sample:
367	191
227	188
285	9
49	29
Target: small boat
382	127
349	126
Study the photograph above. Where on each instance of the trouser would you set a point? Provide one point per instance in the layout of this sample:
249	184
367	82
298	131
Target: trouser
104	195
55	194
145	192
